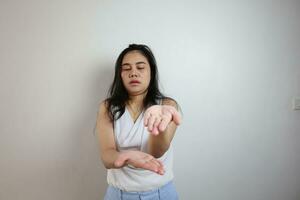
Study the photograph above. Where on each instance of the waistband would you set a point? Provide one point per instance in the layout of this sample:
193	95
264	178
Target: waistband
149	192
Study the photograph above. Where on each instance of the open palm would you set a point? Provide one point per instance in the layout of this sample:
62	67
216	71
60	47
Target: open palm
139	159
157	118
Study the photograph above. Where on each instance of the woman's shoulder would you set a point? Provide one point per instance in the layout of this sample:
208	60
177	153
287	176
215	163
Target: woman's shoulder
169	101
113	111
103	106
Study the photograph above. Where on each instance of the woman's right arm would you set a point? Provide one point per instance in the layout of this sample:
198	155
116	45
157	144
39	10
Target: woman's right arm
106	139
112	158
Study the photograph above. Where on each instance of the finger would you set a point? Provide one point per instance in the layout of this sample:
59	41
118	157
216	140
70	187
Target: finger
150	166
161	165
176	118
150	159
155	162
155	130
157	121
153	165
151	122
160	162
144	163
146	118
161	170
175	114
164	123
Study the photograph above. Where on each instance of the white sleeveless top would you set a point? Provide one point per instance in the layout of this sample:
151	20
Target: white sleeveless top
134	136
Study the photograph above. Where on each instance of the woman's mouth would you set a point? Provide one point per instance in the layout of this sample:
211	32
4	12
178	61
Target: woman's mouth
134	82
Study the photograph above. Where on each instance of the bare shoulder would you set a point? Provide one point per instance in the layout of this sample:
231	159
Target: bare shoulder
104	124
103	106
169	101
103	110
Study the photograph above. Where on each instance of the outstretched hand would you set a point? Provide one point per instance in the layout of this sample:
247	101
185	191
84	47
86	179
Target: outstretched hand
139	159
157	118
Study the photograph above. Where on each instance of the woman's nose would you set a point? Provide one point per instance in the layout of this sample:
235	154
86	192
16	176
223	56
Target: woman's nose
133	73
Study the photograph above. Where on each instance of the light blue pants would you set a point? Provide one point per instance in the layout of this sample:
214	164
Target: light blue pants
166	192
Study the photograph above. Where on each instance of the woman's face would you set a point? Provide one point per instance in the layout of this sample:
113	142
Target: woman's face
135	73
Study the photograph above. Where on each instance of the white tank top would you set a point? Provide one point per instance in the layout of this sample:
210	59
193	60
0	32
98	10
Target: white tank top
134	135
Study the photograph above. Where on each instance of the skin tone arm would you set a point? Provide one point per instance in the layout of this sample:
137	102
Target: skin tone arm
112	158
162	122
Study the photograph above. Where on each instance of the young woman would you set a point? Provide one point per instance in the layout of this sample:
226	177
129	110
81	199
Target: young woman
135	127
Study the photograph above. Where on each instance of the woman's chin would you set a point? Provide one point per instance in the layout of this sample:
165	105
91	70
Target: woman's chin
136	92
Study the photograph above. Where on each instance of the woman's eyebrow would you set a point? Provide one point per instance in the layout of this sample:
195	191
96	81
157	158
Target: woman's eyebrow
137	63
125	64
141	62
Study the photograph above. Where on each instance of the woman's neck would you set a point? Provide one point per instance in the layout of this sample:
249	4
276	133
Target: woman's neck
136	101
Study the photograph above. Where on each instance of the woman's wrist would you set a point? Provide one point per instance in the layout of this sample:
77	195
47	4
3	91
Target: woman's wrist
122	159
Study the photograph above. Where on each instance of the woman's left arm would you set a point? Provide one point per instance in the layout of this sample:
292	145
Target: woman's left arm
162	123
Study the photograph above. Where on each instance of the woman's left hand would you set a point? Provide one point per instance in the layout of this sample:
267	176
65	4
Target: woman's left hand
158	117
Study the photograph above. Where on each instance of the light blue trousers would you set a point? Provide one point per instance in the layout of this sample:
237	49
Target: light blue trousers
166	192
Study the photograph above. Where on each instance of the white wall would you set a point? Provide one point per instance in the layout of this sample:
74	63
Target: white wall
233	66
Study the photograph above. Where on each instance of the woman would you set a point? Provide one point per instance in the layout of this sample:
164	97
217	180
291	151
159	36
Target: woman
135	125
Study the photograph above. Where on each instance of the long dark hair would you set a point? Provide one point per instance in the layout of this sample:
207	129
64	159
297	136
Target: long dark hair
118	95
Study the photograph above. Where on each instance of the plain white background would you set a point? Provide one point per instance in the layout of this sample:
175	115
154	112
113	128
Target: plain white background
232	65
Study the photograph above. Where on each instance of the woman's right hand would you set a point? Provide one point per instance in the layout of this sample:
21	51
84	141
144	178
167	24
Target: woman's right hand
139	159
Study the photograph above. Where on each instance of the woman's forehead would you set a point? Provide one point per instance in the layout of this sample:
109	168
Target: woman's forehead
134	56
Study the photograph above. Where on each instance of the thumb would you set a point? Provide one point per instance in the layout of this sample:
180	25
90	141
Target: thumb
120	161
175	114
176	118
